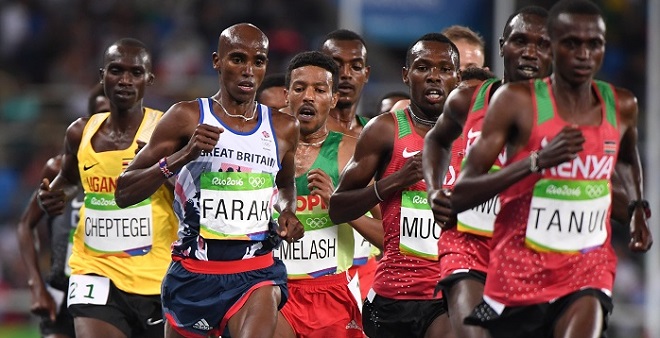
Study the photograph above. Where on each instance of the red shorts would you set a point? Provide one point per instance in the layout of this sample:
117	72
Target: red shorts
323	307
462	251
366	275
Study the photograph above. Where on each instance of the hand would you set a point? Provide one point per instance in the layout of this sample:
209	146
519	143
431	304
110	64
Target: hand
641	238
564	147
411	172
43	304
204	138
441	206
320	184
52	202
289	227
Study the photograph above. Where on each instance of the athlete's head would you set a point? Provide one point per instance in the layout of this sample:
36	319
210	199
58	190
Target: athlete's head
126	72
470	44
525	45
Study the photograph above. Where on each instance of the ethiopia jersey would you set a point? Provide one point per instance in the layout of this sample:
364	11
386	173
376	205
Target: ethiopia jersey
317	253
466	246
224	198
130	246
552	235
409	268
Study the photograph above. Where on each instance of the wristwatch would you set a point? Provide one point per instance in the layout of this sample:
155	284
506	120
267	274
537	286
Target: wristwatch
644	204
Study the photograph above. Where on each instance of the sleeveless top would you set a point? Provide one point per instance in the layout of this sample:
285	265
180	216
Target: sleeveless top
480	219
129	246
409	268
326	248
552	235
224	198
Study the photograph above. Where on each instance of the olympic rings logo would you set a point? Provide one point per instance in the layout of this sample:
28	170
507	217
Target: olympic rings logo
257	182
316	222
594	190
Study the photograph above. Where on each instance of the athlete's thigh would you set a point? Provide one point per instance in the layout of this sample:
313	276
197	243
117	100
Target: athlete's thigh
258	316
90	327
440	328
283	329
582	318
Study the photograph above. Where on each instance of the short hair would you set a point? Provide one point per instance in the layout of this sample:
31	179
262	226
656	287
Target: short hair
344	35
314	58
438	37
130	42
527	10
476	73
585	7
271	80
458	32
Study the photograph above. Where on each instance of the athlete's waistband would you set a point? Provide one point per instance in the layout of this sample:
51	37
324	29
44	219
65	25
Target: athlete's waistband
339	278
226	267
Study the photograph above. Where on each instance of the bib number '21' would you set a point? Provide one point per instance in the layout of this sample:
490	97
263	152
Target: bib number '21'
84	289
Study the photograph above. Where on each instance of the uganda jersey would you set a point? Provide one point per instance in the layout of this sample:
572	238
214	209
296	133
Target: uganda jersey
463	247
552	235
130	246
224	198
409	267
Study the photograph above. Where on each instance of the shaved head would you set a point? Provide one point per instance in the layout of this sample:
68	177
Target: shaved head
242	34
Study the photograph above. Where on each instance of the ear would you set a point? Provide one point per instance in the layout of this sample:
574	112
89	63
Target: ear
286	97
335	99
151	79
101	73
404	75
501	46
215	59
367	71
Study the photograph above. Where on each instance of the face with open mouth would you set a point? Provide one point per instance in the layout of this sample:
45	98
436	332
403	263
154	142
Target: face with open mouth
311	98
432	74
526	49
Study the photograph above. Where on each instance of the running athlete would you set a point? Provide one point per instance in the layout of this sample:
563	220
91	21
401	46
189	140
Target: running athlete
119	257
48	296
470	45
402	301
349	50
234	162
552	266
271	92
463	250
317	265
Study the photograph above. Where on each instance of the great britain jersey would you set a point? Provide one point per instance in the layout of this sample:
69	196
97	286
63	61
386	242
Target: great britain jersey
224	198
409	268
552	235
466	246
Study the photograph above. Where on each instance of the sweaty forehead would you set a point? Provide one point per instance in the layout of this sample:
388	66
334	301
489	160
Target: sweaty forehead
244	39
432	49
126	53
351	48
578	24
524	23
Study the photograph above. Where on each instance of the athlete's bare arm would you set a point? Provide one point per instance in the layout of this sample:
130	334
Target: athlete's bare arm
371	228
52	197
437	150
180	138
641	238
508	122
42	302
288	132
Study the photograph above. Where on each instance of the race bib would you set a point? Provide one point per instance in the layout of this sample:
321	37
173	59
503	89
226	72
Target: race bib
418	232
235	205
568	216
479	220
86	289
110	230
315	254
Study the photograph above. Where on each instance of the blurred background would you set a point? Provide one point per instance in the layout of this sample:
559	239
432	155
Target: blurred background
51	50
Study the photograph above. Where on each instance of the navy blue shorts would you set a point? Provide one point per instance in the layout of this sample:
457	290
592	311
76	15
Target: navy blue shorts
199	304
